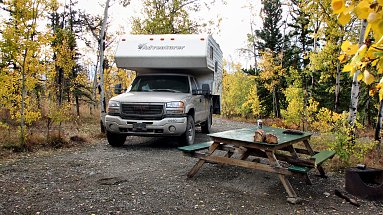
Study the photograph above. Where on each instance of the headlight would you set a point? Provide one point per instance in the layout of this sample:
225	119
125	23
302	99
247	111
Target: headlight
113	107
175	107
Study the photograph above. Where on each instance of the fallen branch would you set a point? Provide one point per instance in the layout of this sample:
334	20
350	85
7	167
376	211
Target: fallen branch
348	199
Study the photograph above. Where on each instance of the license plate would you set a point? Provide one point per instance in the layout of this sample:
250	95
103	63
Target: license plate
139	127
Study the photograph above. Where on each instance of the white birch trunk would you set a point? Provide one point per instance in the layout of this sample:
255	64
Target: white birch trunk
355	84
101	65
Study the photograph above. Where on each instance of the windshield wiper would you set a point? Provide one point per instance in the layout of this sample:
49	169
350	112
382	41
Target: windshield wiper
167	90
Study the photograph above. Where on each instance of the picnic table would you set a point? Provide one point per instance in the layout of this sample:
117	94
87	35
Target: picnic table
285	158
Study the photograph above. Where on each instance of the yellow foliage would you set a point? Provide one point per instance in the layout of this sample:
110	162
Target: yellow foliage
343	19
294	113
368	77
363	9
252	104
271	70
338	6
369	53
65	55
238	89
348	48
327	120
58	113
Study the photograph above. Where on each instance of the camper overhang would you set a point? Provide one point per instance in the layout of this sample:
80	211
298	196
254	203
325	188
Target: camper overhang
145	53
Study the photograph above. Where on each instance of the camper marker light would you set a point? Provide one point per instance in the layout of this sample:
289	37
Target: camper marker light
114	107
174	104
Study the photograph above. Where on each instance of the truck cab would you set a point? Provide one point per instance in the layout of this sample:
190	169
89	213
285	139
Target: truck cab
169	96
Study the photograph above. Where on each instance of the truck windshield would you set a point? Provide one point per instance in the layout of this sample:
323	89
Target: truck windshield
163	83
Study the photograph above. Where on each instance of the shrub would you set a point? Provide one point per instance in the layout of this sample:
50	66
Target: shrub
348	148
293	114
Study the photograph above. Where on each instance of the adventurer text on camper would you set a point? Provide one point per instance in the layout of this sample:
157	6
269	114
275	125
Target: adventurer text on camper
143	46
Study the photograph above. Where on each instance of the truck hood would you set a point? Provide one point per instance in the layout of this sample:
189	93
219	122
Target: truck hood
153	97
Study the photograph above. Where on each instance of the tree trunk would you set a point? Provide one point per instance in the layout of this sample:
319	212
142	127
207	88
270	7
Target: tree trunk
276	109
61	93
23	92
337	82
95	86
101	67
355	84
317	27
254	48
378	128
77	105
274	104
337	87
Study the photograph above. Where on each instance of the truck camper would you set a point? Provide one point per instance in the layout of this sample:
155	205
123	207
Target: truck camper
177	87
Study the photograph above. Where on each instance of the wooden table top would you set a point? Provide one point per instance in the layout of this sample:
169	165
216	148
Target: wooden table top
246	135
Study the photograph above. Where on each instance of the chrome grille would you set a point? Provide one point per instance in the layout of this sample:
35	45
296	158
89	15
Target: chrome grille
142	111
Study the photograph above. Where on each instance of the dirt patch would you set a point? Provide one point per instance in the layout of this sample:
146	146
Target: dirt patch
148	176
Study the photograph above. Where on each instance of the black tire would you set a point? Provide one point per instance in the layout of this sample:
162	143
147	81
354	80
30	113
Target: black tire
206	126
188	137
102	127
114	139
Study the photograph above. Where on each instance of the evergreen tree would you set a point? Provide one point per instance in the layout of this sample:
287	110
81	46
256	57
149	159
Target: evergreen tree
300	33
270	36
270	40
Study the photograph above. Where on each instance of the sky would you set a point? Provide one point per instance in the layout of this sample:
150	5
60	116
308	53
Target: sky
234	27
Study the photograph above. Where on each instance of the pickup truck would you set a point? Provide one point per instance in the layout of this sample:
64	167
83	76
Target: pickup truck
169	96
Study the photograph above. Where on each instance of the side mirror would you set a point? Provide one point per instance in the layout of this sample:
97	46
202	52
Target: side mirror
206	89
117	89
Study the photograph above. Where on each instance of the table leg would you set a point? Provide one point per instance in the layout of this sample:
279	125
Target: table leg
292	151
293	198
294	154
244	154
200	162
311	151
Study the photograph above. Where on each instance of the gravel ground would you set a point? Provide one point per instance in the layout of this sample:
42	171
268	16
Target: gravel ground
148	176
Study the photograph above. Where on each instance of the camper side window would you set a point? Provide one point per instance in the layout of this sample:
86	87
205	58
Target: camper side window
211	52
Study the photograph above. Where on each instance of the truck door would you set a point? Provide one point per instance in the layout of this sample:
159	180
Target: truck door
199	102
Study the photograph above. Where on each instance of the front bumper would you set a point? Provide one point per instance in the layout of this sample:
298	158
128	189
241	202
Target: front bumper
174	126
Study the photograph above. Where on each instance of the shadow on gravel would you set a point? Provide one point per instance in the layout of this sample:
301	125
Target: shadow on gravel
111	181
158	143
164	143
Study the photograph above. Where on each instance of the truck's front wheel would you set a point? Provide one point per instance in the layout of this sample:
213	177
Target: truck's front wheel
188	137
115	139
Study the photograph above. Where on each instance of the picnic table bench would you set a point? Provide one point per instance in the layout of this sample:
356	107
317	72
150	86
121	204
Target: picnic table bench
283	158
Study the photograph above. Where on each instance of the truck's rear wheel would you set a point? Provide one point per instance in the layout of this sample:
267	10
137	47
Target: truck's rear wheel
206	126
115	139
188	137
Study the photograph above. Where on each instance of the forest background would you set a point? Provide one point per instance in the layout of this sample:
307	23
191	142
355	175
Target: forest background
316	66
